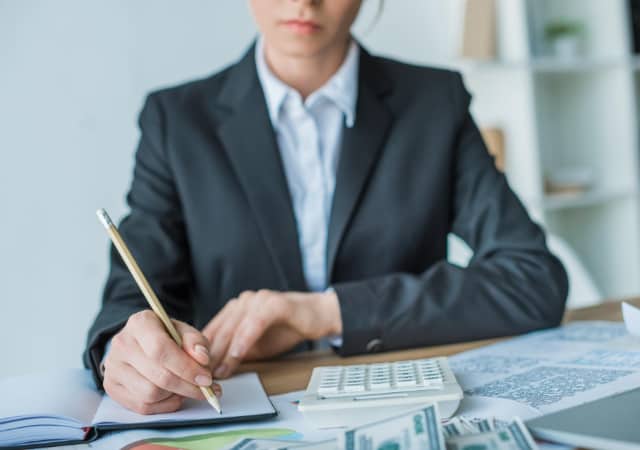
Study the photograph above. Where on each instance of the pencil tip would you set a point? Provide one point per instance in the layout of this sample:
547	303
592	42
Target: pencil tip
213	401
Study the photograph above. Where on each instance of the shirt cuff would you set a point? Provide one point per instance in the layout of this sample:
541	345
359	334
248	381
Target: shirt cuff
334	341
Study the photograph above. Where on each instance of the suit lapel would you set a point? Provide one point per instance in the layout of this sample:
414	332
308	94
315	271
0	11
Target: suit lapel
250	143
361	147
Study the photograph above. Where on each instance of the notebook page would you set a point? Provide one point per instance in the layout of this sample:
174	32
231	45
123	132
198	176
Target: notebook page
242	396
66	393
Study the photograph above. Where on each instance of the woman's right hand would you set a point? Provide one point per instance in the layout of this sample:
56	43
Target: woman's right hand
146	371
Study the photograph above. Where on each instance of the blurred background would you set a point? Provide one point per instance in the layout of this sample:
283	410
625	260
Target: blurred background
556	88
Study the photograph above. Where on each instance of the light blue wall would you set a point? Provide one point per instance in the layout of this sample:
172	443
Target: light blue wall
73	75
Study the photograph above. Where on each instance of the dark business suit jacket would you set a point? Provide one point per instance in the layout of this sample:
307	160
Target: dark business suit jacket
211	215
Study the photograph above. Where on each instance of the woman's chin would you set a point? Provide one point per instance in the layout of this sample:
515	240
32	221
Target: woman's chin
303	46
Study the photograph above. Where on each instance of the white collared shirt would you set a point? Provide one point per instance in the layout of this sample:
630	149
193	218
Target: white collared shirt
309	135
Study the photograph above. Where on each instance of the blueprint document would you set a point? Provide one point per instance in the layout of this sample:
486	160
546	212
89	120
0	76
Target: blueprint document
548	370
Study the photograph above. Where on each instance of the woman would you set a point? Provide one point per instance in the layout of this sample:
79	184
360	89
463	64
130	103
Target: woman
306	192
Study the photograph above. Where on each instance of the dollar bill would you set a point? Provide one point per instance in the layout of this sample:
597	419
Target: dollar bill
415	430
485	425
463	425
264	444
459	426
514	437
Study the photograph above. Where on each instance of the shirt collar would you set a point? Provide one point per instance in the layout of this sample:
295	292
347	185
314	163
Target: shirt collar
341	88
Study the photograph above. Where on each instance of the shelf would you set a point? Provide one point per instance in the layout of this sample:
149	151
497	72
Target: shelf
549	65
568	112
594	197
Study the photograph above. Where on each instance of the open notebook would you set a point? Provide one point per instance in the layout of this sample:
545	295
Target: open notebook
63	407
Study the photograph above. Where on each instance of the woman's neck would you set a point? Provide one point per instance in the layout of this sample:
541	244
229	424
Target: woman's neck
306	74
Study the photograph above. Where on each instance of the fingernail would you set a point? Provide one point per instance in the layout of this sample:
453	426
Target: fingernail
221	371
202	350
203	380
236	352
217	390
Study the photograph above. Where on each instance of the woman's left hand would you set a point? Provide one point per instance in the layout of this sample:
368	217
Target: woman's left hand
263	324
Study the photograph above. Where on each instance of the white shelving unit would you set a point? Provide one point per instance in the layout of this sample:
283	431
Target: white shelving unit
570	113
580	112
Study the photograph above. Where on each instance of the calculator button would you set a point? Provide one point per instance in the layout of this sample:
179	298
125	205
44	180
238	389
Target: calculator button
323	390
354	387
406	382
328	388
380	384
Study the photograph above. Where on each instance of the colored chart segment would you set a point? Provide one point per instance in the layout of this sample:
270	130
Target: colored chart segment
211	441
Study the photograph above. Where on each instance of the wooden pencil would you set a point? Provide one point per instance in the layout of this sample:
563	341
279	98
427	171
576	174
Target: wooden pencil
148	293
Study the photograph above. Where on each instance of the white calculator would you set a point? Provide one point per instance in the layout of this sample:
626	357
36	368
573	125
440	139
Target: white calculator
340	396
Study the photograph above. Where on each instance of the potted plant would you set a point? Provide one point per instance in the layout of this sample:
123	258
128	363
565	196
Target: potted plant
564	36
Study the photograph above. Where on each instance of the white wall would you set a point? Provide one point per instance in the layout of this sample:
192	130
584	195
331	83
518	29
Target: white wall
73	75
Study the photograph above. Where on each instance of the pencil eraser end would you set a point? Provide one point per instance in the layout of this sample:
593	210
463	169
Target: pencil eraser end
104	218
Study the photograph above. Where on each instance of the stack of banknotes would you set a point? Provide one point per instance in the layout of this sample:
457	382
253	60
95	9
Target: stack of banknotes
420	429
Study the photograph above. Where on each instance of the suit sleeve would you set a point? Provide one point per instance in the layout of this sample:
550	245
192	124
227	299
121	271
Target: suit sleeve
155	233
512	285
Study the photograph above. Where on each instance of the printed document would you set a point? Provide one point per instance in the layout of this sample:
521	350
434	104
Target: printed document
547	371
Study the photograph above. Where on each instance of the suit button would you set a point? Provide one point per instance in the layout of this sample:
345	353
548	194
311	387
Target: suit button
374	345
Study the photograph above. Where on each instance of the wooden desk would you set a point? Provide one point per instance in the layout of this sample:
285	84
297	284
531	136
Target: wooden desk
292	373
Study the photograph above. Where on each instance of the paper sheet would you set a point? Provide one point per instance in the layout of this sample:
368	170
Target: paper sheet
549	370
49	395
289	420
631	316
243	395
